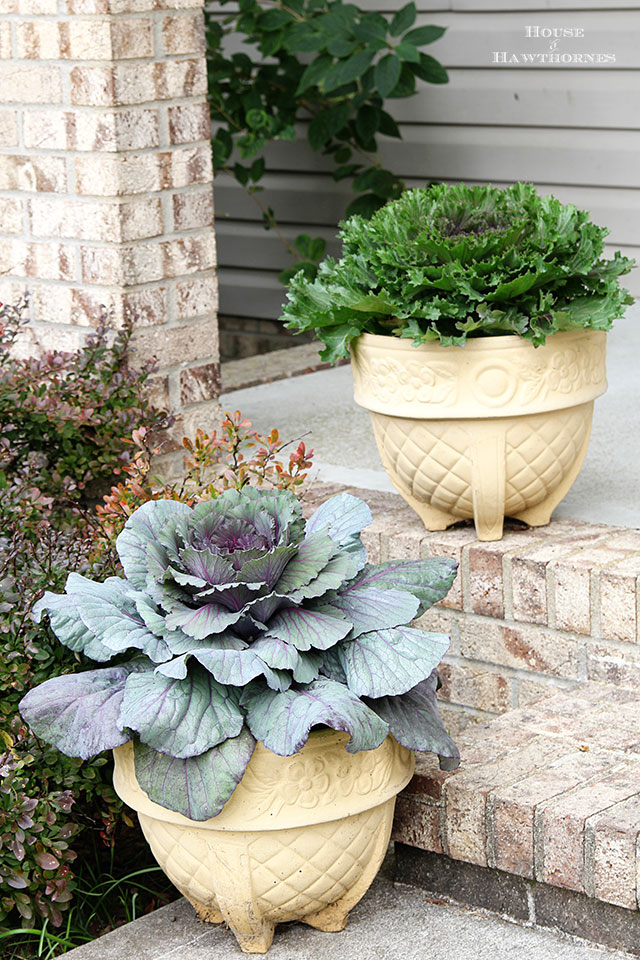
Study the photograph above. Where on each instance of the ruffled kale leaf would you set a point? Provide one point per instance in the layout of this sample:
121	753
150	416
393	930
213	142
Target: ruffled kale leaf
453	261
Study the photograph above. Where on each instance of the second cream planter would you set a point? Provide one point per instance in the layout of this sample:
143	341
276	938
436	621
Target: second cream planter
496	428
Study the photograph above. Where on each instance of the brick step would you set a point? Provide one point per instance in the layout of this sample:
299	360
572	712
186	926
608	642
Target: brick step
540	689
547	793
543	609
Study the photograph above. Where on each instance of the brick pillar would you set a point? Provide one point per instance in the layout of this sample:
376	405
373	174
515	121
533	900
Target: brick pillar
105	182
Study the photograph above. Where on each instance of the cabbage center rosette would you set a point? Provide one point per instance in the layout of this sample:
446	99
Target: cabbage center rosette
236	621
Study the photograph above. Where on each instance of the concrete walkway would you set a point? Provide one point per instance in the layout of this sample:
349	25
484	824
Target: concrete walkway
320	407
390	923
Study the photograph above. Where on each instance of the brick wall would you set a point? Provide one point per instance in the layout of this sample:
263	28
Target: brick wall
105	181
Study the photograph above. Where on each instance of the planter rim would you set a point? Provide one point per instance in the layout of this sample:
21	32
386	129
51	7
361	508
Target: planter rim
261	801
507	341
490	377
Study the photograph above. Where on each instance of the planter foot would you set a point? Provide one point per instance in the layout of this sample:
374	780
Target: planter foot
433	518
254	939
205	913
331	919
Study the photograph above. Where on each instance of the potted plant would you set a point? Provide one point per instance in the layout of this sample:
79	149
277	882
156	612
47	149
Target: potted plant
264	697
476	320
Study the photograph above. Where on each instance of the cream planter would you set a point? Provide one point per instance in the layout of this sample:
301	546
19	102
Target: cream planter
497	428
301	838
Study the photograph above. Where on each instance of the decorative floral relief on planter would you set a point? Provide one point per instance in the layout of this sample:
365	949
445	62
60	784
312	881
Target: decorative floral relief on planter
323	779
568	371
414	380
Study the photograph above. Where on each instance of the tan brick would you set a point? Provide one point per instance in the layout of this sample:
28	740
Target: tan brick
184	34
610	664
49	261
514	807
147	306
84	305
183	344
193	209
142	173
37	8
132	38
105	220
78	306
140	219
618	604
196	297
189	123
89	7
526	646
466	796
103	265
10	215
530	691
8	6
417	824
186	166
572	598
181	78
472	686
529	589
451	543
87	39
195	253
41	174
529	569
132	83
563	825
99	130
48	129
29	83
5	41
199	383
157	391
112	176
38	40
615	861
486	563
8	128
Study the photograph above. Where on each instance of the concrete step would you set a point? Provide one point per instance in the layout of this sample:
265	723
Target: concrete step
392	922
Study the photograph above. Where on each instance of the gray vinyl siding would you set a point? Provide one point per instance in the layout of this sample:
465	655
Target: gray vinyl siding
574	131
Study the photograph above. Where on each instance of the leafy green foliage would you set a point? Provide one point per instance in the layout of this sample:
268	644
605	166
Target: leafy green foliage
450	262
237	616
324	61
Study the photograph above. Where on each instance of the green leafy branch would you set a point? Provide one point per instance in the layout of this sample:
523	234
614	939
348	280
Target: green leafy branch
329	63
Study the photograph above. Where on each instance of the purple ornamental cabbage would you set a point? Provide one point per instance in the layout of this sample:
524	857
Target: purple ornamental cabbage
236	621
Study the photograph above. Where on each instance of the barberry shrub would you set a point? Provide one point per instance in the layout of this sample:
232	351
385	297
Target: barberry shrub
64	421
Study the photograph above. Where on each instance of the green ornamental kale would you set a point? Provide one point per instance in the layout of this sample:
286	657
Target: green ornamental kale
448	262
236	621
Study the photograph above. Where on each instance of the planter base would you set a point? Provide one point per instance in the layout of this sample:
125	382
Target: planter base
302	837
519	467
